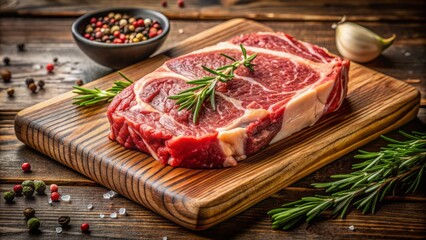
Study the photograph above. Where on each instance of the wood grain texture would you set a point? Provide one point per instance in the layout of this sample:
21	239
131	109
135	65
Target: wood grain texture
402	218
319	10
198	199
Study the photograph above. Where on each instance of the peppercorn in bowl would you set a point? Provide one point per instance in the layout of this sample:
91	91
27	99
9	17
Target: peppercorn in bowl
116	38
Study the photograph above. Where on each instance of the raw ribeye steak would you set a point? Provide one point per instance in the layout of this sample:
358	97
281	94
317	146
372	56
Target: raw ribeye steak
293	84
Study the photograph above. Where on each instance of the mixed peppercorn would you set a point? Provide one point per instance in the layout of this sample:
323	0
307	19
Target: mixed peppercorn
121	28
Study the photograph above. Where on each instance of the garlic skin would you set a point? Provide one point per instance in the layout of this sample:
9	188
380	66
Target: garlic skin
358	43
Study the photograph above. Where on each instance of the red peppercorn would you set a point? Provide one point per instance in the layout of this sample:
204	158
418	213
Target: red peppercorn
156	25
140	22
117	40
55	196
84	227
112	20
50	67
181	3
93	20
87	35
18	189
152	34
99	24
116	34
92	38
26	167
53	188
159	32
122	37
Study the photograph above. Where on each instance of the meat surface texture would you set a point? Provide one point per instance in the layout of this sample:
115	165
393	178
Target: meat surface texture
293	85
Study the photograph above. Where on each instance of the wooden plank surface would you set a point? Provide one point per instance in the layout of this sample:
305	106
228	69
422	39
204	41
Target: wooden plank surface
320	10
404	60
376	104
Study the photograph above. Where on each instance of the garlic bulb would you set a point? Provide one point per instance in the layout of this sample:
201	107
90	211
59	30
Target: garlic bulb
358	43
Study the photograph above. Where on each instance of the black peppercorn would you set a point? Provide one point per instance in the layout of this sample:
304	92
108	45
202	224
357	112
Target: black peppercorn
21	47
6	61
79	82
10	92
28	81
40	83
32	87
64	220
55	60
29	212
6	75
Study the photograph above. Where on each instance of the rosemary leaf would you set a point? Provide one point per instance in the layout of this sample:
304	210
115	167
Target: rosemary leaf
400	163
205	86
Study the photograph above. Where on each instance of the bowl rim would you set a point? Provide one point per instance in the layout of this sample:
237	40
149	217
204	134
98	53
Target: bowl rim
80	19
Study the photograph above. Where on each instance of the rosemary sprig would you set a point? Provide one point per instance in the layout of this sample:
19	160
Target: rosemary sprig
193	98
96	96
401	163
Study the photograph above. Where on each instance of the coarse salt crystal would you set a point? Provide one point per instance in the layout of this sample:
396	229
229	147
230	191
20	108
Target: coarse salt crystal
112	193
58	230
50	201
164	238
37	67
407	54
89	206
101	215
66	198
107	196
352	227
113	215
122	211
180	31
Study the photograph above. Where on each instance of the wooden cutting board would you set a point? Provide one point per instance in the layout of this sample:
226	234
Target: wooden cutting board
198	199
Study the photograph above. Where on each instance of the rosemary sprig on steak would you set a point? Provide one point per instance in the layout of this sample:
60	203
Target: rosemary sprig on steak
401	164
193	98
96	96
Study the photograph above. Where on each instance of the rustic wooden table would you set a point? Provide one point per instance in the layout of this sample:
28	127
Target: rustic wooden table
44	27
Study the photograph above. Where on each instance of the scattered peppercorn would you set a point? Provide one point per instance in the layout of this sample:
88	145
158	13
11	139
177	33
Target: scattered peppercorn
55	60
53	188
26	167
79	82
28	81
164	3
33	224
119	28
181	3
10	92
64	220
32	87
50	67
17	189
6	61
85	227
29	212
41	83
29	183
9	196
39	186
28	191
55	196
6	75
21	47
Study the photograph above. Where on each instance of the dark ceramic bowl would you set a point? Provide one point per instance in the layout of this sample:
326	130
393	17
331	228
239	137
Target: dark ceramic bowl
117	56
